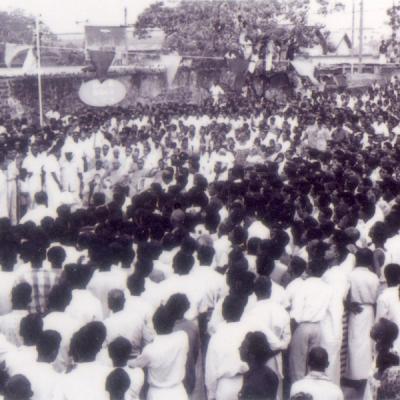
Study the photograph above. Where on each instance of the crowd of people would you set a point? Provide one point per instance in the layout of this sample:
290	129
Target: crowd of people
242	249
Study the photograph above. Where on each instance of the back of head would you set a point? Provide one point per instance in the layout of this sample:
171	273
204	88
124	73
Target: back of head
182	263
136	284
41	198
59	297
265	264
177	305
297	266
18	387
116	300
117	384
233	307
31	328
119	351
364	258
262	287
87	342
162	321
255	349
392	274
48	346
21	296
317	267
318	359
205	255
56	256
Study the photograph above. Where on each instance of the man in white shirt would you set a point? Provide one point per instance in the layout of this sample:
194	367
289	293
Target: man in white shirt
87	380
273	320
310	304
316	383
223	363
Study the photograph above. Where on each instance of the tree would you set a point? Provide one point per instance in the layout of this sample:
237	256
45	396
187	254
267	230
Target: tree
18	27
215	27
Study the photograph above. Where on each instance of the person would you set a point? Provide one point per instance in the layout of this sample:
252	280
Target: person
271	319
58	320
21	296
165	359
259	382
316	383
364	286
40	372
87	379
177	305
307	315
223	366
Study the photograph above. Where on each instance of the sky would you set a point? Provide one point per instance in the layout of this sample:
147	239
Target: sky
64	15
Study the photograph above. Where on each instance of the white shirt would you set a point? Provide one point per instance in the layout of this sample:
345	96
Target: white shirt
86	382
272	319
84	307
37	214
310	300
9	326
66	326
318	386
102	282
223	356
7	282
165	358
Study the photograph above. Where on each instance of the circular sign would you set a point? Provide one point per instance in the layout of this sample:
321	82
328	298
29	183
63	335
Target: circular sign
97	94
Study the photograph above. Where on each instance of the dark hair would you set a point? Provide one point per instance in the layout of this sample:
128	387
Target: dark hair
56	255
205	255
87	342
364	258
318	359
233	307
117	382
256	347
18	387
59	297
162	320
182	263
177	305
136	284
119	351
31	328
48	345
21	295
392	274
262	287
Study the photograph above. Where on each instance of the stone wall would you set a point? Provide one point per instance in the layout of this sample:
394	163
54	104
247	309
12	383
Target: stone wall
19	96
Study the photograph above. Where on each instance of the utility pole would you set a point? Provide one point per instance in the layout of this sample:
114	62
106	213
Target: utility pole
126	16
360	51
39	72
353	36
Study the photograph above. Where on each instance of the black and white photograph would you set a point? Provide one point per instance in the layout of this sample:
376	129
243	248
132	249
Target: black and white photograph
199	200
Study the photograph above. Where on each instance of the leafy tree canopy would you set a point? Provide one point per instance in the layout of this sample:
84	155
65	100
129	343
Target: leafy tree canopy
215	27
18	27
